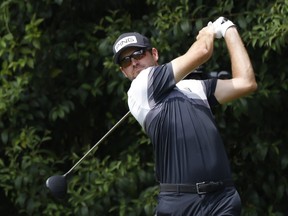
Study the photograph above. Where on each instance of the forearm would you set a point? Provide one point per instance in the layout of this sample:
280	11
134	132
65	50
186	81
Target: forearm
241	66
243	80
200	51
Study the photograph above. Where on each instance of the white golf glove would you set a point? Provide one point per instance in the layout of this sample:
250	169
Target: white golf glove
221	25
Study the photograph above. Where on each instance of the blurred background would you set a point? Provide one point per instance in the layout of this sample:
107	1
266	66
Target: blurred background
60	93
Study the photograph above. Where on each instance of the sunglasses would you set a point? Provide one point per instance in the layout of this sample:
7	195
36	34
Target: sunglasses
137	55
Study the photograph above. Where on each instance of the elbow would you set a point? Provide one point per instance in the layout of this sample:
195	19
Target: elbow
248	80
252	86
253	83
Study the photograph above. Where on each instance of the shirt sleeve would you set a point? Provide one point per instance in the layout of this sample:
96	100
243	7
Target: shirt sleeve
161	80
211	87
201	89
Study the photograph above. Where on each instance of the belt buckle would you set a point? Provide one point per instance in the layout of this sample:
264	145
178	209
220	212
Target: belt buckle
198	189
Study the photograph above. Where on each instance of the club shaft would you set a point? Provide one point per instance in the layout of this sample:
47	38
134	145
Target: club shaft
100	141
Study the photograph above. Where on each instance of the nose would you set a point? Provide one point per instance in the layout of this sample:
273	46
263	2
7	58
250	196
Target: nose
134	61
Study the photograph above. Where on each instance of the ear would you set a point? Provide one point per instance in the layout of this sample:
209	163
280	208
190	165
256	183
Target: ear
155	54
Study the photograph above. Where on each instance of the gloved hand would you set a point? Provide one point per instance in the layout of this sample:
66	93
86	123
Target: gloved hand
221	25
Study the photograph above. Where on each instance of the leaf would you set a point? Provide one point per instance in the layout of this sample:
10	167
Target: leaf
4	134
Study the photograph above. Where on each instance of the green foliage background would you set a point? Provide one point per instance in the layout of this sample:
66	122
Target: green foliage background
60	93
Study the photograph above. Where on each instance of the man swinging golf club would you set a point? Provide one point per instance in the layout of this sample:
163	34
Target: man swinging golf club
191	163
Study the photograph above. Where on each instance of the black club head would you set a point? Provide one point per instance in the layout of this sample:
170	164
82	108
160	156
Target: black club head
58	186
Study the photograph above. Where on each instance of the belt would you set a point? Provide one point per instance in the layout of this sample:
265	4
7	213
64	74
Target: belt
198	188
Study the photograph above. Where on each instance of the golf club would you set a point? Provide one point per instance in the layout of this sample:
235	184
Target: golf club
57	184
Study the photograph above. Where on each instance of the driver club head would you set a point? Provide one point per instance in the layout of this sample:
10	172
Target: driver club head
57	185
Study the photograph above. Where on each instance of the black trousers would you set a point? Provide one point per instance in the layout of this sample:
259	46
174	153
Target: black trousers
225	202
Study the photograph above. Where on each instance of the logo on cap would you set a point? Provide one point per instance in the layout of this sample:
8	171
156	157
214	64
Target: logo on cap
124	42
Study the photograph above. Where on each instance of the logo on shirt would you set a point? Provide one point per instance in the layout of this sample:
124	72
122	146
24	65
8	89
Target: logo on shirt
124	42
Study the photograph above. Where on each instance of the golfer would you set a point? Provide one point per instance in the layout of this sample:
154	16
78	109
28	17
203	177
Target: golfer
191	162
